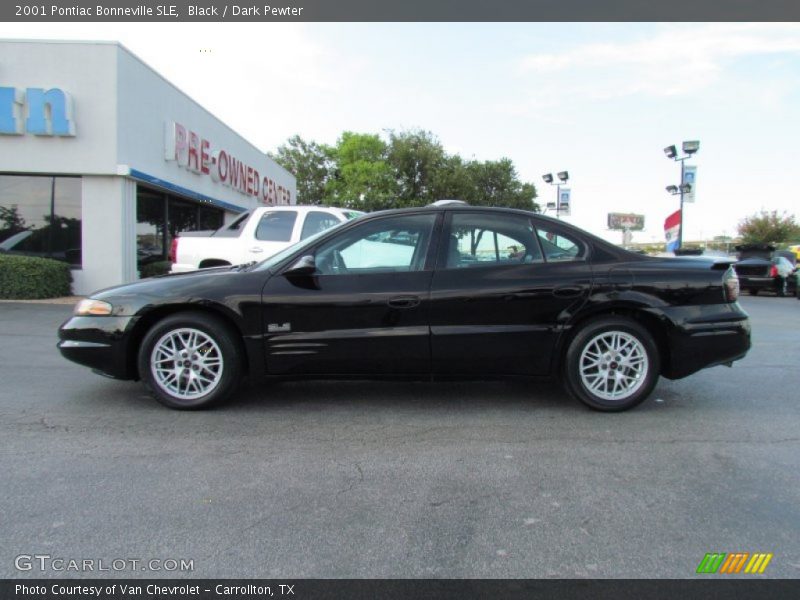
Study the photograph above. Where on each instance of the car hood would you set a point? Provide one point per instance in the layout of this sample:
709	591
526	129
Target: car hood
193	286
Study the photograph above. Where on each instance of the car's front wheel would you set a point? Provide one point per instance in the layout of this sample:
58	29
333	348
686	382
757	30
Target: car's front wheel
612	364
189	361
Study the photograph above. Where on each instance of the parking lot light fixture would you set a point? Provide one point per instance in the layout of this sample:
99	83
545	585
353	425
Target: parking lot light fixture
563	176
689	147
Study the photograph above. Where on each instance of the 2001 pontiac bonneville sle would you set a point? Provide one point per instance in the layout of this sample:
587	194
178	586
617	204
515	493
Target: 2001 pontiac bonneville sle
445	291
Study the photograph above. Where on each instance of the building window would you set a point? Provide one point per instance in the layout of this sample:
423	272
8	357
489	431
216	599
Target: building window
210	218
161	216
41	216
151	222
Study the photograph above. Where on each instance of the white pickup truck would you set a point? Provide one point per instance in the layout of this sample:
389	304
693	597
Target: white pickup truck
253	236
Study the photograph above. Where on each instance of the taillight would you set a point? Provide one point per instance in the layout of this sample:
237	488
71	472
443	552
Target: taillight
730	285
773	271
173	250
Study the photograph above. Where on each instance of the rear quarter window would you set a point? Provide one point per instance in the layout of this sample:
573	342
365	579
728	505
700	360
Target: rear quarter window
558	246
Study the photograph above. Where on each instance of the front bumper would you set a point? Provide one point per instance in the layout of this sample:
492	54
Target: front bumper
100	343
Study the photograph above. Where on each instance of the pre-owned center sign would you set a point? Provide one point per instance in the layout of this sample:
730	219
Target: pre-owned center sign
197	154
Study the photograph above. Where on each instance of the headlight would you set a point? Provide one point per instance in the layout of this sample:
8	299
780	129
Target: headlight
89	306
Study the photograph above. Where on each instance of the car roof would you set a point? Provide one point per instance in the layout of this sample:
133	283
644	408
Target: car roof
306	207
463	208
408	209
596	240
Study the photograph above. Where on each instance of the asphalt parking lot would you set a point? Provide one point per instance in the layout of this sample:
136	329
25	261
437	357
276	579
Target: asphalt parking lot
344	479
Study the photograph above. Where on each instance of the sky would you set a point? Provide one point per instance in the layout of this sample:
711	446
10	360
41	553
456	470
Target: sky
598	100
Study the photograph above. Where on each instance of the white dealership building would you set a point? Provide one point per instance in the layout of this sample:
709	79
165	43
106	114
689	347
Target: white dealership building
103	161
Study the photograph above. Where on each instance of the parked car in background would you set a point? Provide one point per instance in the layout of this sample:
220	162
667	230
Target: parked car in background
253	236
797	283
436	292
788	255
761	268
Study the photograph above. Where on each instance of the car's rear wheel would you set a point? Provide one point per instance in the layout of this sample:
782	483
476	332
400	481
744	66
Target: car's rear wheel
189	361
612	364
753	291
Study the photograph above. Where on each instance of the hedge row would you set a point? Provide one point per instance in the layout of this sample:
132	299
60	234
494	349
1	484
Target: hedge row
156	268
29	278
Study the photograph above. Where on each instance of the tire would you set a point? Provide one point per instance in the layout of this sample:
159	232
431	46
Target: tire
783	287
753	291
209	375
635	344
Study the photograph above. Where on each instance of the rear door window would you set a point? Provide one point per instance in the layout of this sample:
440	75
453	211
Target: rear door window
317	221
276	226
480	239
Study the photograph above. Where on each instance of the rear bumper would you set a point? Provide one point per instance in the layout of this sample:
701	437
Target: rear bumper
99	343
720	336
761	283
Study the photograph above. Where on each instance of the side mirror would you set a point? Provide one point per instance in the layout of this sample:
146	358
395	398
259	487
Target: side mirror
304	266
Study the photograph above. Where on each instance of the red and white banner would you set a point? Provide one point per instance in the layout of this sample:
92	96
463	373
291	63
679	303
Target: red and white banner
672	230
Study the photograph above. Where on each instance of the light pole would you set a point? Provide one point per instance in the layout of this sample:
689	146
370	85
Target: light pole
563	176
689	149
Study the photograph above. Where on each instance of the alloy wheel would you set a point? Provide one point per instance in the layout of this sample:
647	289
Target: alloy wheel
613	365
186	363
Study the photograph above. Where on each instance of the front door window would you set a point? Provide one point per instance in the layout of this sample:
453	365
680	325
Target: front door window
393	244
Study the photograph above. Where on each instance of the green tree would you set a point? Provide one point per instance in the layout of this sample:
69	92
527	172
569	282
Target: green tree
415	157
11	222
311	163
410	169
452	180
11	219
495	183
363	178
769	227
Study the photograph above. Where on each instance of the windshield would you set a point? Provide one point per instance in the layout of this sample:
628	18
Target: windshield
280	256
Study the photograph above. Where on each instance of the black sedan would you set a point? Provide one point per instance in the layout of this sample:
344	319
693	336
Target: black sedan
762	268
445	291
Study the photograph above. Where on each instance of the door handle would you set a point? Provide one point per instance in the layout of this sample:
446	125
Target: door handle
404	302
568	291
256	249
